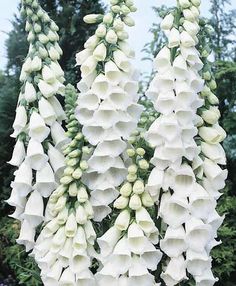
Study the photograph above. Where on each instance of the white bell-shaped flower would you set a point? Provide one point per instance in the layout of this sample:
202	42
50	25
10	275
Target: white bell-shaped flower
215	220
155	182
18	155
214	152
198	234
79	241
175	210
85	278
109	240
175	271
201	204
187	40
151	256
110	148
27	234
180	67
215	174
88	100
119	98
212	135
122	61
48	75
101	86
165	81
123	220
80	261
94	134
207	278
46	89
106	116
30	92
88	66
58	135
45	181
130	86
60	113
82	56
37	127
20	120
71	226
165	102
67	278
86	82
34	209
112	72
46	262
58	240
65	253
136	239
174	38
197	262
17	214
144	220
167	22
52	277
16	200
174	242
46	111
35	155
56	160
23	180
162	62
184	179
104	197
138	267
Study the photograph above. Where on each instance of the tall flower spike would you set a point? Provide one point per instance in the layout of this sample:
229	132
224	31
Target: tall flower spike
187	171
128	250
64	247
42	79
107	105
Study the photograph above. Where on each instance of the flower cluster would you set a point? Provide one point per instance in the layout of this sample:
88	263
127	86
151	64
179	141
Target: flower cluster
37	126
107	105
64	247
186	138
127	250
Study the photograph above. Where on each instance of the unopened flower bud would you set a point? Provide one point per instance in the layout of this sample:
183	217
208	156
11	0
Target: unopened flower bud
65	180
92	18
108	18
101	31
140	151
131	178
83	165
135	202
82	195
138	187
147	200
126	190
111	37
73	190
121	203
130	152
133	169
123	220
77	174
143	164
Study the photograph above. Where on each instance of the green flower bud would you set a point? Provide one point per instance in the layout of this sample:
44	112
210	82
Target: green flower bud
132	169
129	21
37	28
130	152
125	10
143	164
131	178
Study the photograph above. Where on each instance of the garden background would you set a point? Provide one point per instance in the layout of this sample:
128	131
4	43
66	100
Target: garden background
16	268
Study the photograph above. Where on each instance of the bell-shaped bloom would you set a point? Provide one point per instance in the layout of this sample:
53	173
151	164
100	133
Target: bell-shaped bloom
46	89
187	40
30	92
165	102
144	220
184	179
23	180
79	241
71	226
34	209
88	66
180	67
112	72
100	52
104	197
138	267
94	134
86	82
129	86
47	261
16	200
57	108
35	155
105	116
151	256
123	220
215	220
174	210
20	120
58	240
101	86
174	242
27	234
214	152
56	68
58	135
197	262
46	111
212	135
80	261
37	127
48	75
109	240
65	254
174	38
119	98
136	239
207	278
155	181
56	160
17	214
53	275
201	204
110	148
165	81
215	174
175	271
85	278
167	22
89	100
19	153
67	278
198	234
122	61
89	232
84	116
82	56
45	181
